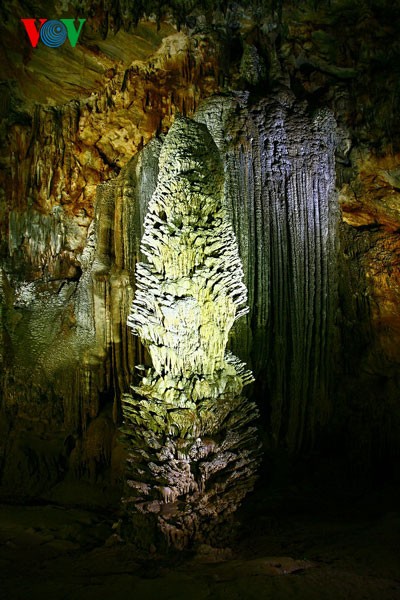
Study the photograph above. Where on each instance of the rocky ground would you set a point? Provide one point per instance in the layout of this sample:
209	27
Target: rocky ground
295	542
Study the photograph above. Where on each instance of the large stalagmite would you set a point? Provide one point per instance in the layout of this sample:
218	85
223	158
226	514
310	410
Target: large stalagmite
193	450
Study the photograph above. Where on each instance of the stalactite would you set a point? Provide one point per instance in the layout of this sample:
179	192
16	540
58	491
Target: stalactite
279	189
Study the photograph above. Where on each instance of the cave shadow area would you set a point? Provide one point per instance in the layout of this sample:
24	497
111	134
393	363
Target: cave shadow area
313	528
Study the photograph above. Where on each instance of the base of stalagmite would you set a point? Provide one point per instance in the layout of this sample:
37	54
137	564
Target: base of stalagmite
189	468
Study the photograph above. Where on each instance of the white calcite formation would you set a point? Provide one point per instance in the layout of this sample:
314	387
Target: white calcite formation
192	444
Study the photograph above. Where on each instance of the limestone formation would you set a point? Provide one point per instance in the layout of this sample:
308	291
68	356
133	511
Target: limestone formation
280	190
192	444
76	128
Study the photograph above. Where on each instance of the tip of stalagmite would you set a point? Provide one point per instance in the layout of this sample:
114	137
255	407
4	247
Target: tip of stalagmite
190	149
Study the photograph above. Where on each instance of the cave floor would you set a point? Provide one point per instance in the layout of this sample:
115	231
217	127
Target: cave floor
293	544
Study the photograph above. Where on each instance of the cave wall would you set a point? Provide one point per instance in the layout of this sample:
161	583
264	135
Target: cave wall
79	163
280	179
67	268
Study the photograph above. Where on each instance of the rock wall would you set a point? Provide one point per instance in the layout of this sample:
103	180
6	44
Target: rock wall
369	300
68	272
280	180
278	163
79	160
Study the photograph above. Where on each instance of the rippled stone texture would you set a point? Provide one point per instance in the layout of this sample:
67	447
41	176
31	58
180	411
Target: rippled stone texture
280	190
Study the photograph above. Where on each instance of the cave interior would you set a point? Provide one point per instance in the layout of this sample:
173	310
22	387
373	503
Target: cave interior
222	180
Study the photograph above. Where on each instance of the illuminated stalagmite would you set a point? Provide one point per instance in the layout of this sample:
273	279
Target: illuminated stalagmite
193	449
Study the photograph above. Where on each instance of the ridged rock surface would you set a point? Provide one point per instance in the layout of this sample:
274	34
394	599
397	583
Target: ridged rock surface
280	179
278	191
81	131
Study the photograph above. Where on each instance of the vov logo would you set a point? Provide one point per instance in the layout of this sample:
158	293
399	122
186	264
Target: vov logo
53	33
